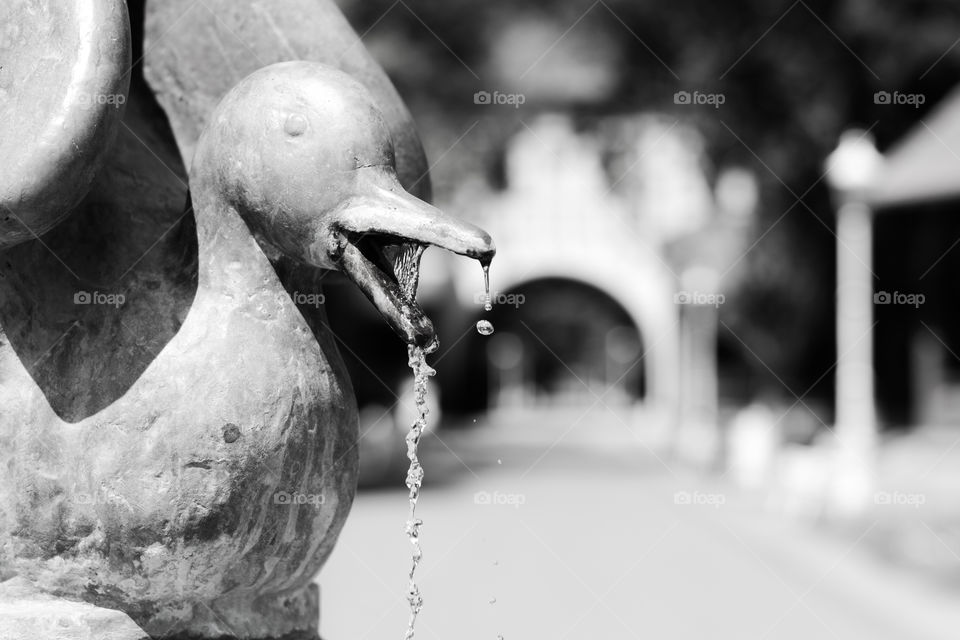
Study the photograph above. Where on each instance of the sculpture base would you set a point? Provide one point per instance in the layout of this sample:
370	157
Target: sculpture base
27	614
295	616
292	636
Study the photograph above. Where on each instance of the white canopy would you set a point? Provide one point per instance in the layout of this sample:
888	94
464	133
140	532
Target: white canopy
924	166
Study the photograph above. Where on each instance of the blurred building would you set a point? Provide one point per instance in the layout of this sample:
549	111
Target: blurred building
909	266
609	276
915	197
907	309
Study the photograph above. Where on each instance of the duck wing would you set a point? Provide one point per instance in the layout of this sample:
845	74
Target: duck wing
89	162
64	77
197	51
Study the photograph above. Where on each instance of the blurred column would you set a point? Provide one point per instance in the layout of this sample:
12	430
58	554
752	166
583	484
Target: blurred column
851	170
699	439
623	351
508	388
856	414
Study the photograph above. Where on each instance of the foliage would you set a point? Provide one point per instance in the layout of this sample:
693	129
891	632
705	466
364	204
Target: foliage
794	74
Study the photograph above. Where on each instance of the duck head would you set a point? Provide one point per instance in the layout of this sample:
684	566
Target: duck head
301	151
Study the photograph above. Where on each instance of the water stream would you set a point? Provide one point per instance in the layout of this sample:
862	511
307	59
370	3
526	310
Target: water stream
407	270
421	372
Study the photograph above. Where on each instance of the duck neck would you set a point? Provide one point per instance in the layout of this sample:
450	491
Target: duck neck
228	253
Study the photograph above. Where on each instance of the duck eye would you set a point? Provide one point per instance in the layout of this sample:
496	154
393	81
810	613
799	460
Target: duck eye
295	125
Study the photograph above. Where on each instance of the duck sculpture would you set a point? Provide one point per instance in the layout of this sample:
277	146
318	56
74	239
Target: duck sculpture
177	429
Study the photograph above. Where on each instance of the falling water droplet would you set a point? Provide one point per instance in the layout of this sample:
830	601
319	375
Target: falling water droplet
488	303
484	328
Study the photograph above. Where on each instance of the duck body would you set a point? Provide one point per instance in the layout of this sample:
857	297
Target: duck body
171	495
190	451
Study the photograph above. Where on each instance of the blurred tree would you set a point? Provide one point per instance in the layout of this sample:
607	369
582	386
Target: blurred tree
794	74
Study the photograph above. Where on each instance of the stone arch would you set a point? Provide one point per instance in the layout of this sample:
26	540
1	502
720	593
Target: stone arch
643	288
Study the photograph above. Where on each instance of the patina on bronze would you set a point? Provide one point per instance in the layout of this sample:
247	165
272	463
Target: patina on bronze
162	398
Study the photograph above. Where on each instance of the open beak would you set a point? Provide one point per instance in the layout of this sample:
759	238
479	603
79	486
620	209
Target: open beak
377	225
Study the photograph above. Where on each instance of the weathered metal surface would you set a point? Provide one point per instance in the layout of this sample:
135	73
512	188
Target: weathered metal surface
177	430
63	82
28	615
195	52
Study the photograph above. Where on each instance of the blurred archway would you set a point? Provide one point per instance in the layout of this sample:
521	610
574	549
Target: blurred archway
557	341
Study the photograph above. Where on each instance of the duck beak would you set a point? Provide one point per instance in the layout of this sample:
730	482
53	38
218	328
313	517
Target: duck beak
377	226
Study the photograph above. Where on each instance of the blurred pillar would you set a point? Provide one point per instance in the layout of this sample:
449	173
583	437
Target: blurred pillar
855	411
851	170
508	388
928	378
699	429
623	352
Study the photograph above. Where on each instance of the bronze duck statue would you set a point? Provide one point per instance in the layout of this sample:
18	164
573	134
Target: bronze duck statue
146	431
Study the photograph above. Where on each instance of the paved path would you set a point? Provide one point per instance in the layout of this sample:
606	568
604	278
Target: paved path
586	539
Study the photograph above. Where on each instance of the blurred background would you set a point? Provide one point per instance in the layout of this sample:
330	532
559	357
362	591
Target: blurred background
723	395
